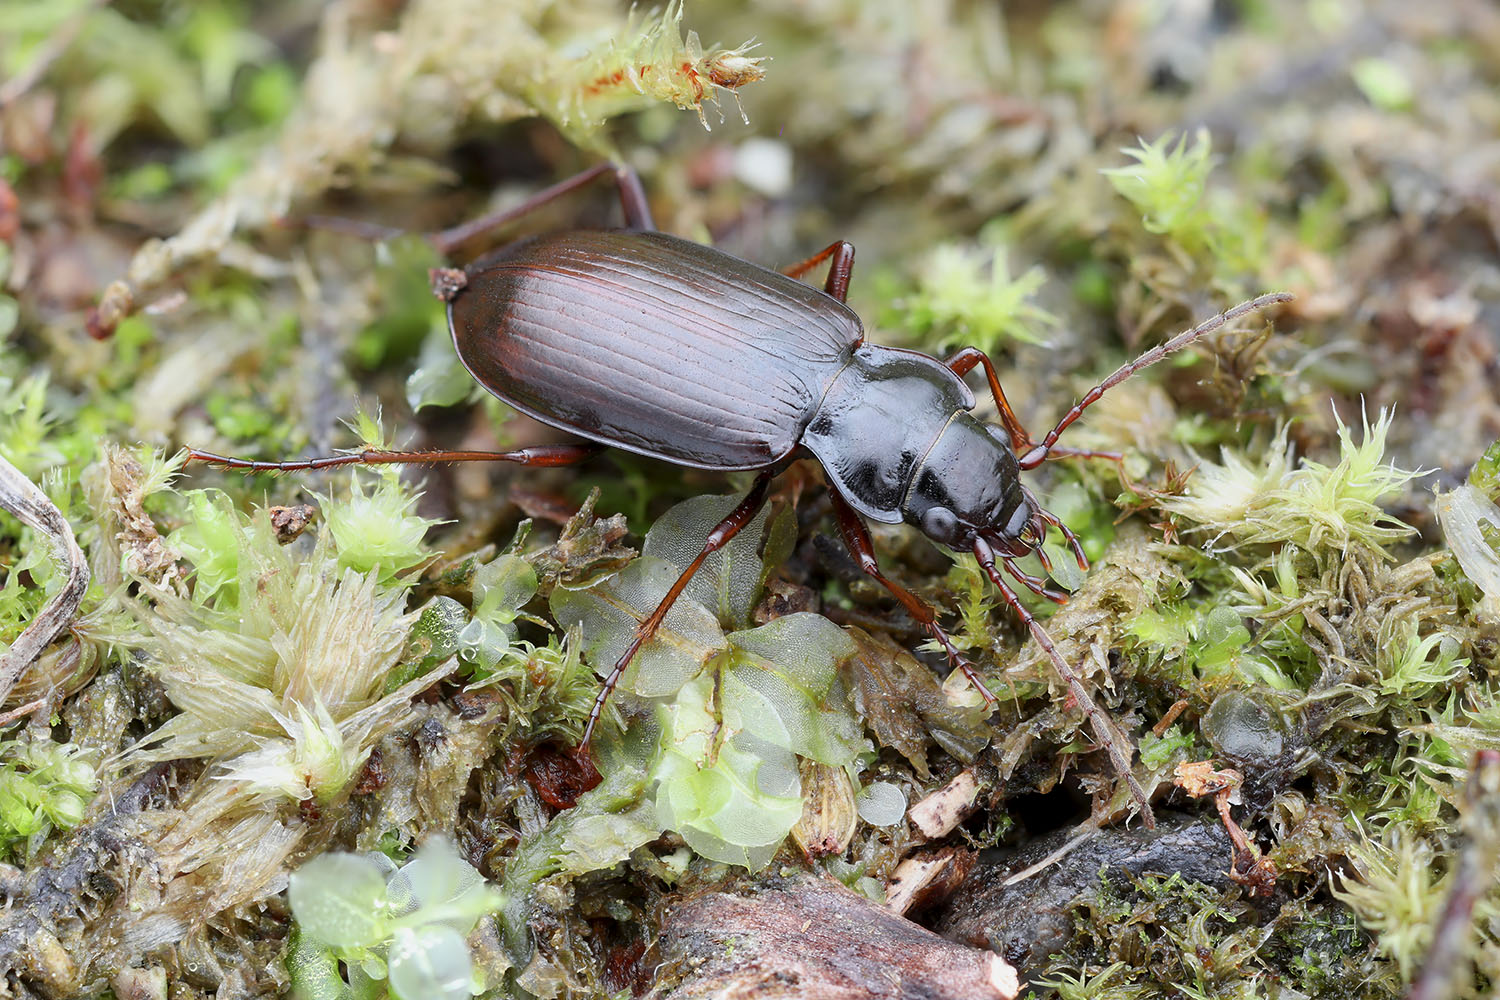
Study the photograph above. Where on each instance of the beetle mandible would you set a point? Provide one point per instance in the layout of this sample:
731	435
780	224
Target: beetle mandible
639	340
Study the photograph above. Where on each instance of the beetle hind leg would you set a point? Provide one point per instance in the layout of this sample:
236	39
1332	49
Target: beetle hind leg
543	455
839	271
726	529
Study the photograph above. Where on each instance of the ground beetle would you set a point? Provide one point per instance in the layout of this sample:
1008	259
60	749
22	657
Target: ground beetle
638	340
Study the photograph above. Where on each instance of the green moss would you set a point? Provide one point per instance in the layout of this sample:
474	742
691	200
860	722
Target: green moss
44	786
968	298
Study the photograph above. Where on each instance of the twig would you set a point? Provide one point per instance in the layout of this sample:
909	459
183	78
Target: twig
936	815
21	497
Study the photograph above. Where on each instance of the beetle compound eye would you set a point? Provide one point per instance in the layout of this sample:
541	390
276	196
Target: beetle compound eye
939	524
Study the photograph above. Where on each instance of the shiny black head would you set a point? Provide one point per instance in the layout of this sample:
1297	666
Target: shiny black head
968	486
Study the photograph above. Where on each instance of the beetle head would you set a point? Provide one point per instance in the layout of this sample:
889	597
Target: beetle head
968	486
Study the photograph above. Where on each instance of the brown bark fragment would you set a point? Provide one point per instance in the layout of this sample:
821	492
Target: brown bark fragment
925	880
937	814
813	939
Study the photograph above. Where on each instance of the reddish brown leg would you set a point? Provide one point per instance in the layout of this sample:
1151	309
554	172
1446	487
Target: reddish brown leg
1039	453
1103	726
839	272
857	540
545	455
632	200
717	539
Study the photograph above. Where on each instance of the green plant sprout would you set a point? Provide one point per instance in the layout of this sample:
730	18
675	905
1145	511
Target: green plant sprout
279	662
1313	506
399	932
44	786
967	297
1168	184
1396	890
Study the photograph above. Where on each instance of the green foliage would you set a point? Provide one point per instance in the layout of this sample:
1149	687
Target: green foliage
733	710
20	600
405	314
211	539
398	931
1485	475
501	588
1161	753
43	786
1384	83
1410	665
25	425
1168	184
440	378
1109	983
1196	643
968	298
277	662
648	61
1396	890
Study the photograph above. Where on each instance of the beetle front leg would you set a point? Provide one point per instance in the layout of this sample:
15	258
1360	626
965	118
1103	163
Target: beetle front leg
857	541
717	539
1104	727
839	272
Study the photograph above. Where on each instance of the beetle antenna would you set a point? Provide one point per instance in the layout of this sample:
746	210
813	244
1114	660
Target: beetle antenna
1104	728
1038	454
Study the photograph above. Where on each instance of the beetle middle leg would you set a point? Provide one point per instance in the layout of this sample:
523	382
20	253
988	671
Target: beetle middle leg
857	541
839	272
726	529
